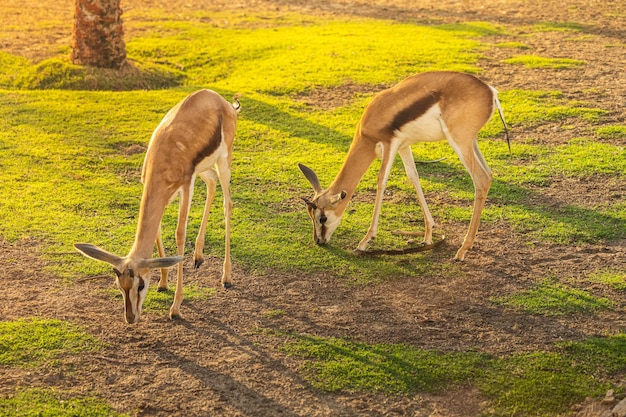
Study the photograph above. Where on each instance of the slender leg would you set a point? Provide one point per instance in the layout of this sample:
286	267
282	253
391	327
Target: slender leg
467	149
409	166
224	176
163	281
186	194
383	175
210	179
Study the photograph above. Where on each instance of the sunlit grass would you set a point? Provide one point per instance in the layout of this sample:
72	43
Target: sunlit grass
534	61
611	132
32	342
161	301
522	384
612	279
52	403
553	299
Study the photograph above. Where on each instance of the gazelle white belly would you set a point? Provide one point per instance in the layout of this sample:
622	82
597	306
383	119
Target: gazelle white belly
210	161
426	128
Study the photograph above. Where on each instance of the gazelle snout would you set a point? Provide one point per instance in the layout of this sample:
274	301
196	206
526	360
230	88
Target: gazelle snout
324	225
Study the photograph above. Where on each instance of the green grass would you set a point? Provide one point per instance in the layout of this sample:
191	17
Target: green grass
37	343
534	61
51	403
33	342
611	278
77	142
524	384
554	299
611	132
336	364
512	45
158	302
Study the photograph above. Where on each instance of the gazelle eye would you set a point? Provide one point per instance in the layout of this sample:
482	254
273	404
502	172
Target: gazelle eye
323	219
141	286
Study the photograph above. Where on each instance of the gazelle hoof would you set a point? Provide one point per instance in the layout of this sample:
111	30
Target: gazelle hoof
197	263
159	289
175	316
227	285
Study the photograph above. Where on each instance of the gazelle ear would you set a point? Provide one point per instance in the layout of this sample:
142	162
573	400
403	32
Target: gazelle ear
161	262
309	203
99	254
311	177
334	200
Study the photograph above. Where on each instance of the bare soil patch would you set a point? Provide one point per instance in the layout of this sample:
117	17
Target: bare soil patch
218	360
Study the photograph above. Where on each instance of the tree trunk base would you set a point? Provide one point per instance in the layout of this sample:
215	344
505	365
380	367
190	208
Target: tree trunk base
98	34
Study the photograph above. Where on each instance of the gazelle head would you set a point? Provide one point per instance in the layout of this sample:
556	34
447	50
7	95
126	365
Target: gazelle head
132	276
322	208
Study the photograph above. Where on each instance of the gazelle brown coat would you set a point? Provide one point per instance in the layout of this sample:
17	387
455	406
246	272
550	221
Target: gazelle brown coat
427	107
195	138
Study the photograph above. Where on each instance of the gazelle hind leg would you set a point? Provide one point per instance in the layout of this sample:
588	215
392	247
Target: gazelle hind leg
466	147
186	193
210	179
163	281
409	166
388	155
223	171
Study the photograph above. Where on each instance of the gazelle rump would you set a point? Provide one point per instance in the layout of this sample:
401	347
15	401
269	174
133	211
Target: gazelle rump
195	138
426	107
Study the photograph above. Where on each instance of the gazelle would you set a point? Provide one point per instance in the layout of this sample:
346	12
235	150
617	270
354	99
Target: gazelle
427	107
194	138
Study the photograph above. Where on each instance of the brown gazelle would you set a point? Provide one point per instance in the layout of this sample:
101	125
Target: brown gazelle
427	107
195	138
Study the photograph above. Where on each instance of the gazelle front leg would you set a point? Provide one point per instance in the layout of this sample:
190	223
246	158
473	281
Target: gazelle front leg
210	179
409	166
164	271
186	193
388	155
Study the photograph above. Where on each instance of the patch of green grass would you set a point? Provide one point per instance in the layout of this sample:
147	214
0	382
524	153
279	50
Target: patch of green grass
337	365
512	45
34	341
162	301
554	299
580	156
78	144
291	54
611	132
274	313
529	108
534	61
524	384
59	73
295	57
612	279
11	66
559	27
51	403
568	224
538	384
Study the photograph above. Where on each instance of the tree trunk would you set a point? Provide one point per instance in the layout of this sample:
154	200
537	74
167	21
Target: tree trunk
98	34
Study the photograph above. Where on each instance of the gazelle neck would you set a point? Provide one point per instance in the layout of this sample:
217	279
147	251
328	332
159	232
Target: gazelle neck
360	156
149	221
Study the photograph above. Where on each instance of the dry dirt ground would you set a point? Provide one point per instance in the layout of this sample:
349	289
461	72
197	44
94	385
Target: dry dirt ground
217	362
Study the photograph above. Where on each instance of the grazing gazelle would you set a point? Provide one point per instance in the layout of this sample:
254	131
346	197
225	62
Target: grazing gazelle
194	138
427	107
